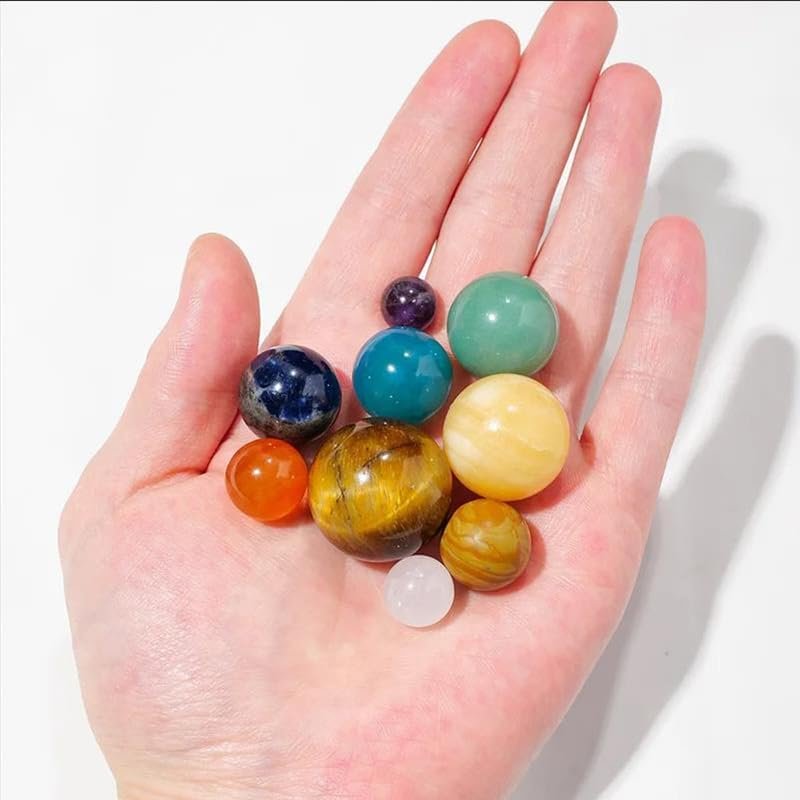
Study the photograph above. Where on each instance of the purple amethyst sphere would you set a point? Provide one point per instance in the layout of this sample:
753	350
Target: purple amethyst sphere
409	303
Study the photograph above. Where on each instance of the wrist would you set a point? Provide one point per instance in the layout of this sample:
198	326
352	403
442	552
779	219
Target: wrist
190	790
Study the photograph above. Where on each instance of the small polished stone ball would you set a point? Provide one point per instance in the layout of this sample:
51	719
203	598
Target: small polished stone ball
289	393
267	479
486	545
379	489
418	591
506	437
502	322
403	374
409	303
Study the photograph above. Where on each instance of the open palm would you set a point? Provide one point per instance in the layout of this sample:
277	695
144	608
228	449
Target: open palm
221	658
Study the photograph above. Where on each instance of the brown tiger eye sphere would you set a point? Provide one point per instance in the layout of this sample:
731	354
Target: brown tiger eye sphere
379	489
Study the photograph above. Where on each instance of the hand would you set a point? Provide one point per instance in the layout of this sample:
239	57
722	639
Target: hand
221	658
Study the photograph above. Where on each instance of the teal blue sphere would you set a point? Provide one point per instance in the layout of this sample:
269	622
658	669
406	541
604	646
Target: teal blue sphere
402	374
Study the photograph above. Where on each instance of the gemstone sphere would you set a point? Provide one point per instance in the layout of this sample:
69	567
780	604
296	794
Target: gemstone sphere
486	545
289	393
506	437
379	489
418	591
502	322
404	374
267	479
409	303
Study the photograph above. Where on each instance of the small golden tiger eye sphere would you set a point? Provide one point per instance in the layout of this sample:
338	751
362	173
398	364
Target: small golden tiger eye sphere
379	489
506	437
486	545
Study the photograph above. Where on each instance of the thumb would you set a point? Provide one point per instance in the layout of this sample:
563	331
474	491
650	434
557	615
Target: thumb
185	398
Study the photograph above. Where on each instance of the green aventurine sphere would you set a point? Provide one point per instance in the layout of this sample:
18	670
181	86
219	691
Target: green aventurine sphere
502	322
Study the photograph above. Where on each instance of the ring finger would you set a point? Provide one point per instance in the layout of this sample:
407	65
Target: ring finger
582	259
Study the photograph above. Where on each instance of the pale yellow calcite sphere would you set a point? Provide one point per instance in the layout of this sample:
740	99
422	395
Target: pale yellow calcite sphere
506	437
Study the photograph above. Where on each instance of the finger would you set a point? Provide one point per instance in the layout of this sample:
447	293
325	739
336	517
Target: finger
631	430
583	256
392	216
185	397
499	211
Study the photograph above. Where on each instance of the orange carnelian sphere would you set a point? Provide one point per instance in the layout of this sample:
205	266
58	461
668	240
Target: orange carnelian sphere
267	479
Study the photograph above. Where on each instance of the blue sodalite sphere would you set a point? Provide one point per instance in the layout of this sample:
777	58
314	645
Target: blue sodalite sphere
289	393
403	374
409	303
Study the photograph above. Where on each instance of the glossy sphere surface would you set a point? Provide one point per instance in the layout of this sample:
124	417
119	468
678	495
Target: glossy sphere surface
418	591
506	437
486	545
379	489
502	322
404	374
267	479
290	393
409	303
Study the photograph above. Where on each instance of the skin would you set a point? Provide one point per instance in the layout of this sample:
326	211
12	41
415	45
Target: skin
220	658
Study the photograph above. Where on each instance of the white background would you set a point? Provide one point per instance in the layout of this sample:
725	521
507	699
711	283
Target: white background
130	128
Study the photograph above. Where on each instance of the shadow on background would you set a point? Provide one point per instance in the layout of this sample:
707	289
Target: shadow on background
697	529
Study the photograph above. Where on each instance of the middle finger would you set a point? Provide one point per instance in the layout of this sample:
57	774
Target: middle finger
497	216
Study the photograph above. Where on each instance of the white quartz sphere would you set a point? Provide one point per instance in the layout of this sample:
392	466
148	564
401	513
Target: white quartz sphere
418	591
